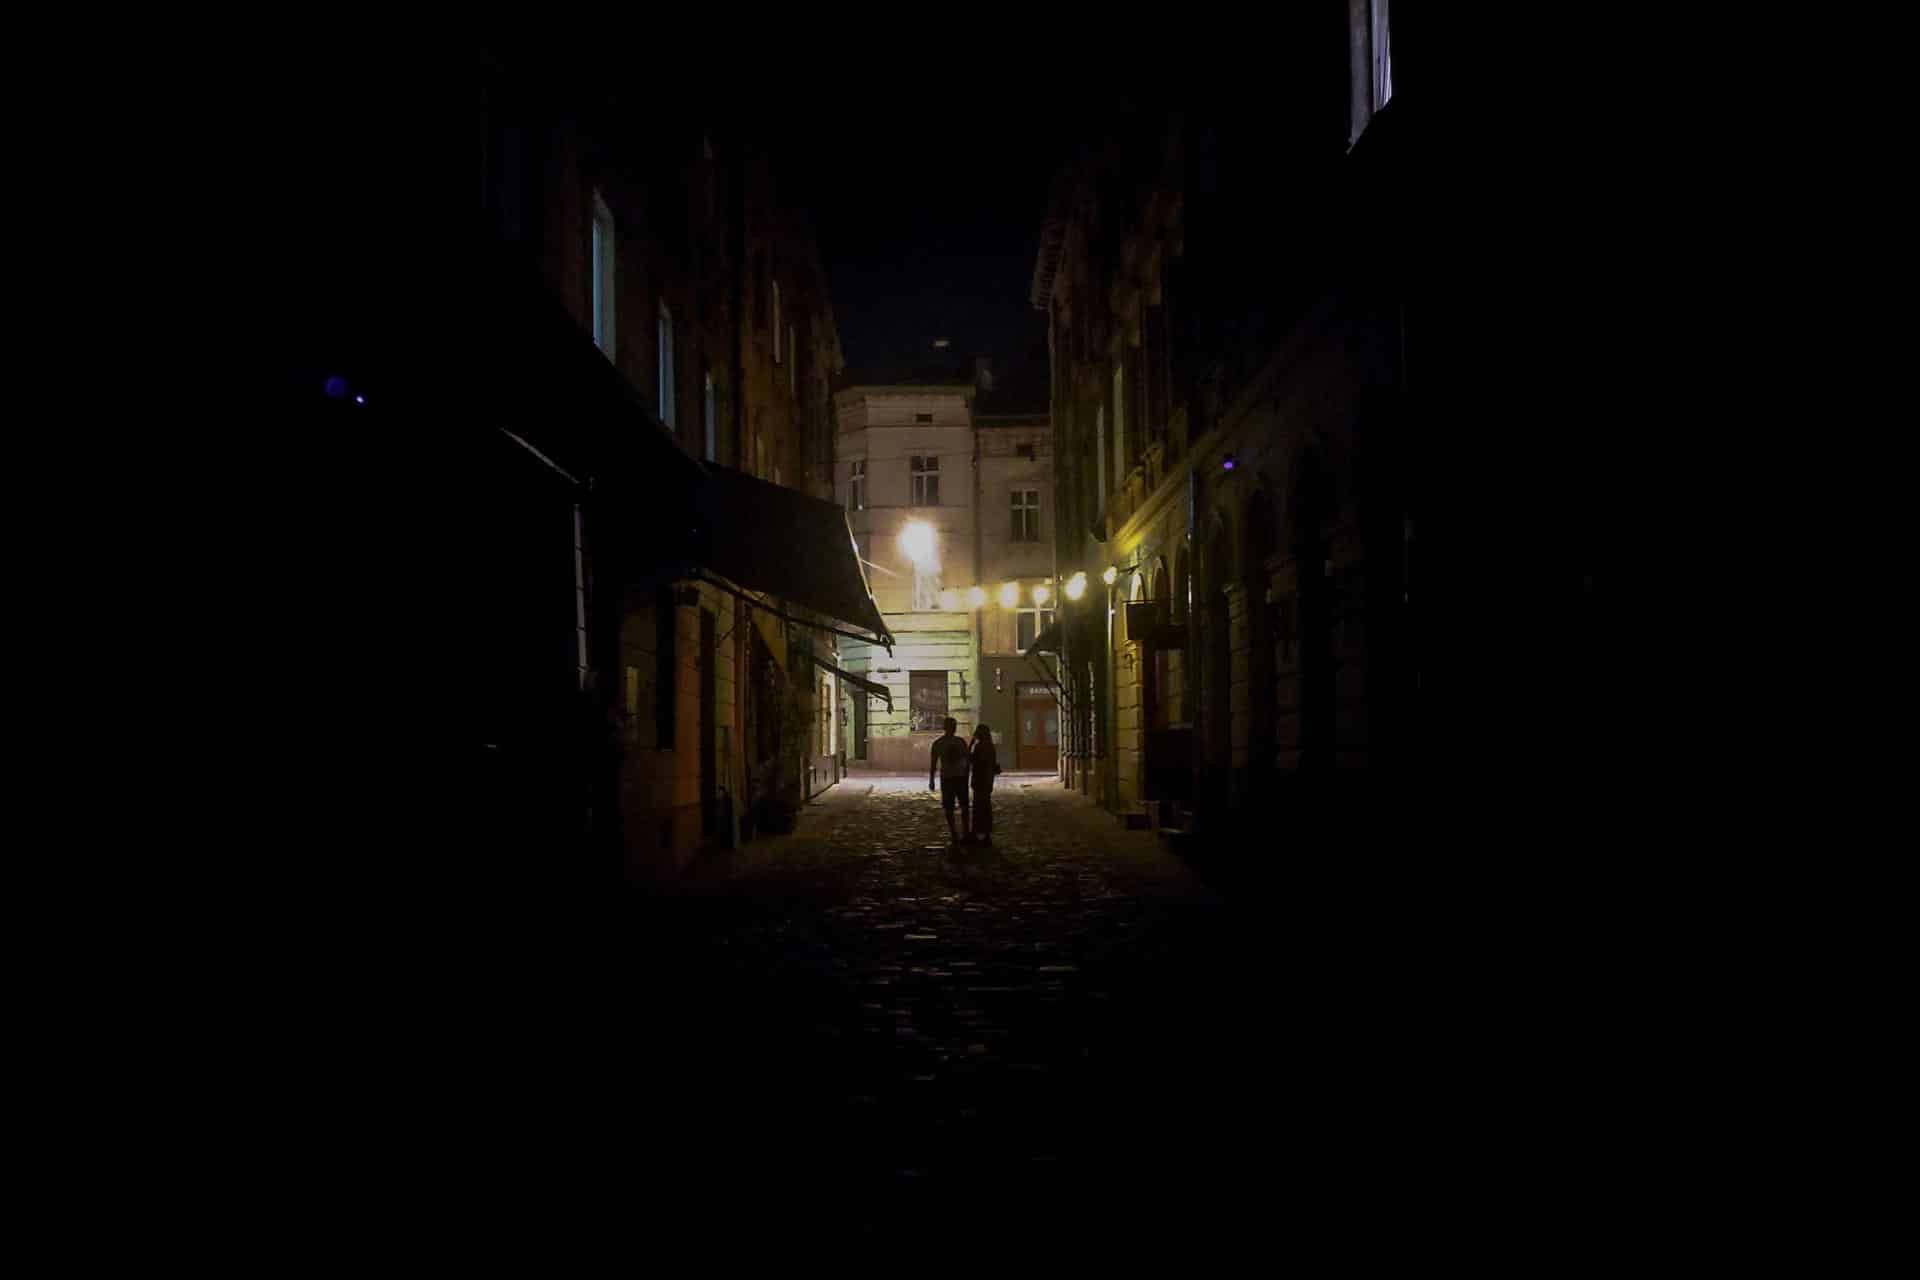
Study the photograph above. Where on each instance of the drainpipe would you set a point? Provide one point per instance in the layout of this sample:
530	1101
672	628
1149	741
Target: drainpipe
979	565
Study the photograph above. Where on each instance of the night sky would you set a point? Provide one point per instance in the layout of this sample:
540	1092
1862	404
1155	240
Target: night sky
929	230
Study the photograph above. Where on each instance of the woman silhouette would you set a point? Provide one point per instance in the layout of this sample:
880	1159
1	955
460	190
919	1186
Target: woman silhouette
985	763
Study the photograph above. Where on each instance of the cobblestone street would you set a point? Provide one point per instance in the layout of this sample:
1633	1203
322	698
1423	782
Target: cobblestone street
919	1025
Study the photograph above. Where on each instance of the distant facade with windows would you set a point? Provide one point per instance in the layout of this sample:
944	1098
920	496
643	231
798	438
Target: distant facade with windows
981	484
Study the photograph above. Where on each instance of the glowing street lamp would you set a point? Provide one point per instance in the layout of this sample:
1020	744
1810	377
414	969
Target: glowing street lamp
976	597
1112	574
1042	593
916	540
1009	595
1076	586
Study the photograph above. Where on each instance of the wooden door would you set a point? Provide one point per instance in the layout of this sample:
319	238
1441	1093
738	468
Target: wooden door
1036	729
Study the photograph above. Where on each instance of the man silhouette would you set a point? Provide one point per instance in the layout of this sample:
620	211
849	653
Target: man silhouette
951	761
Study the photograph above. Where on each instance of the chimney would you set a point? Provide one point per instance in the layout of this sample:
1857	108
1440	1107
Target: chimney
982	373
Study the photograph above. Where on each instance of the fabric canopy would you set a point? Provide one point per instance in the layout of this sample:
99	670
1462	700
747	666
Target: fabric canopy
858	682
784	543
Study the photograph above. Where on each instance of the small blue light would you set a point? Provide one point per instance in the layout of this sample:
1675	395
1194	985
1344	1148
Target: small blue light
1227	465
359	399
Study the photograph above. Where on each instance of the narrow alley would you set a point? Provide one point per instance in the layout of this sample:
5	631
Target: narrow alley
912	1022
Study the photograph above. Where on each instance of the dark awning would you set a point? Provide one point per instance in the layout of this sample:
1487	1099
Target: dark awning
1048	641
784	543
858	682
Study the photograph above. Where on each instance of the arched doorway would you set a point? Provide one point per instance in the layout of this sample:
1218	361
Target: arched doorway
1309	513
1216	674
1158	690
1259	544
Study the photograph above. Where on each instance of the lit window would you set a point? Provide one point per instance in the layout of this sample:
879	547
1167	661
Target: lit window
1026	515
602	276
666	366
926	480
1027	626
857	487
709	420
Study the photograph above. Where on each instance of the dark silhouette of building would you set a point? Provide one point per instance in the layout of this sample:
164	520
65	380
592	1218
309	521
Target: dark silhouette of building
1242	302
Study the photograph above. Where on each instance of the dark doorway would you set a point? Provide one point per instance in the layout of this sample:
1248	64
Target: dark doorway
860	724
709	719
1311	511
1262	693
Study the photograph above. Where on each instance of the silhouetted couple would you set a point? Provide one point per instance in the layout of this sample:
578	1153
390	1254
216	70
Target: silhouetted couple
956	764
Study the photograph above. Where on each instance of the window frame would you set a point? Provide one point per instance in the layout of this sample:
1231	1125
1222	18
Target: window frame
664	374
602	288
1026	515
924	477
1040	625
710	419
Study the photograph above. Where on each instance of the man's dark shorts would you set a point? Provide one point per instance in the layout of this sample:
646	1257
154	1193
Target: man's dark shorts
952	789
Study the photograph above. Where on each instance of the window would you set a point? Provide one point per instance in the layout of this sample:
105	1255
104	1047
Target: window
793	360
923	417
709	420
1119	424
1027	626
1023	451
927	693
666	366
857	487
1026	515
777	322
1382	55
602	276
1371	65
926	480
